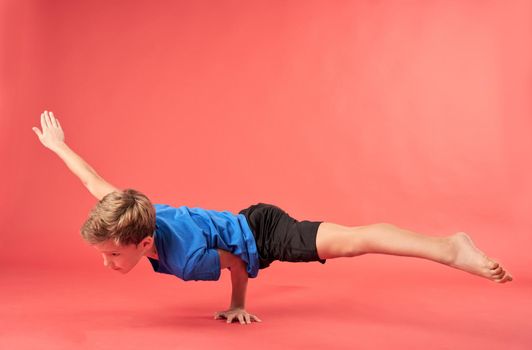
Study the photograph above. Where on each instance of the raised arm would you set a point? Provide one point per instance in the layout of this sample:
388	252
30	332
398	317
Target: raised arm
53	138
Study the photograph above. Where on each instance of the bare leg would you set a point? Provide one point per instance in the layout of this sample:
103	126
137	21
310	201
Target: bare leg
458	250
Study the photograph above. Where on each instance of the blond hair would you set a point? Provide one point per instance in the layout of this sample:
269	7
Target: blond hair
126	217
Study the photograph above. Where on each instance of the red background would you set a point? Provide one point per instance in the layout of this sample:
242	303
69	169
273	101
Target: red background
416	113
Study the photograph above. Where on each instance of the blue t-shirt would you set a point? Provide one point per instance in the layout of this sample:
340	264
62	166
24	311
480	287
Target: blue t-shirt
187	238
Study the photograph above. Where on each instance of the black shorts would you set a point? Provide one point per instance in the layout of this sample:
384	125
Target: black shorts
281	237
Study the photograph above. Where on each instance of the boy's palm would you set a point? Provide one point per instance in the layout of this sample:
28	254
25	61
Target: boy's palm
236	314
52	134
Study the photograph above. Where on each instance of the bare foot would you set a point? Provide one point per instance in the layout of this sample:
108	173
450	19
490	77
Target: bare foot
467	257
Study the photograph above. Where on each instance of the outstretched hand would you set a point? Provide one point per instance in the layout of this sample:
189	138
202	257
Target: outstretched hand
52	134
236	314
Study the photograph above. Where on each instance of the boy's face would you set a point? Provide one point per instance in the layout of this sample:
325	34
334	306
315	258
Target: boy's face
123	258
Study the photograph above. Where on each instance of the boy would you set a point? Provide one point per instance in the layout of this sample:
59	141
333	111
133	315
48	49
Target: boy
195	244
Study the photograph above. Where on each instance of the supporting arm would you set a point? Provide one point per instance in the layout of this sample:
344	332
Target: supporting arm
239	277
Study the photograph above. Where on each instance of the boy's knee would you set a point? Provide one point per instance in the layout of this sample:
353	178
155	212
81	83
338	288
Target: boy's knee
368	232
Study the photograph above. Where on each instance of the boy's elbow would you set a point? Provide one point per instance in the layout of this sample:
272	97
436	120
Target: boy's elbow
229	260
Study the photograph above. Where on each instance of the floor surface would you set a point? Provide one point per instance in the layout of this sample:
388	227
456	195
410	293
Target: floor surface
368	302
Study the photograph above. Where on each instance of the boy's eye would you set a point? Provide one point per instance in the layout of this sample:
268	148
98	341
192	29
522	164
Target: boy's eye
115	254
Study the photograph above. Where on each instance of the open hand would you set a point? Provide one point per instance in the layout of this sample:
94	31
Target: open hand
236	314
52	135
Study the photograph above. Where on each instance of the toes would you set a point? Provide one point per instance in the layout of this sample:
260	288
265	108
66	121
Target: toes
493	264
504	278
497	271
499	277
500	273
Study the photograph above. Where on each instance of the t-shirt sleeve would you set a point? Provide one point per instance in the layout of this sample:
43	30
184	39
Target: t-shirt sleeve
203	264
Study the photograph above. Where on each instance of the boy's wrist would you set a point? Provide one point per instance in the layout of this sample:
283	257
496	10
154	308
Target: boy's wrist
58	147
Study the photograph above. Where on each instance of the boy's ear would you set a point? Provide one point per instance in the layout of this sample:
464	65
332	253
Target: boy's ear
147	241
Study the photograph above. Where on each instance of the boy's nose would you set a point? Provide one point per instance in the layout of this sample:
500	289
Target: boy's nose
108	265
